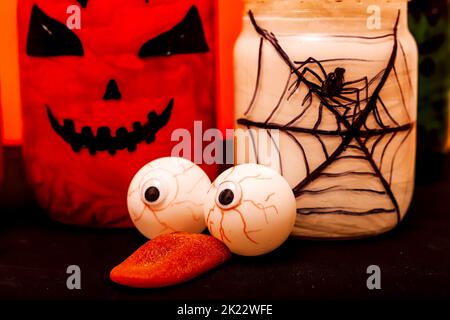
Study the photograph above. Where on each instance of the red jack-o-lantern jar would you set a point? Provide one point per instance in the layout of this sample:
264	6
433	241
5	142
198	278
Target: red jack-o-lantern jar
104	85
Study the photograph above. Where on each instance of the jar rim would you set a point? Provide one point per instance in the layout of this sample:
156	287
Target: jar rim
320	7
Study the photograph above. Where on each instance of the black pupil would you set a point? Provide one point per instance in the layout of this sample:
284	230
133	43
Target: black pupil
152	194
226	197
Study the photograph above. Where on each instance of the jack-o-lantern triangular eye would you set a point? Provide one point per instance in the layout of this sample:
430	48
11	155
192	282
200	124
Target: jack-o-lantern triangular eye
48	37
83	3
186	37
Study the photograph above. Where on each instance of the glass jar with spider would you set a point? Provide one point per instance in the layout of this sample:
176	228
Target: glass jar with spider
326	93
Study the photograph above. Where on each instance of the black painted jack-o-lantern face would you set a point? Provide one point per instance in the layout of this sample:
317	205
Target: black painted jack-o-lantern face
101	101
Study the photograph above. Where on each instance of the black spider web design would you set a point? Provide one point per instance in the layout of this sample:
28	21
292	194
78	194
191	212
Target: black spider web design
352	106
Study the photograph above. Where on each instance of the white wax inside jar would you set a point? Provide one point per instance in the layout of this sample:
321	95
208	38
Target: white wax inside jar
354	194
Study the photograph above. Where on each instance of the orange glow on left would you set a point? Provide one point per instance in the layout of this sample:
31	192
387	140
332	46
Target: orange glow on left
9	74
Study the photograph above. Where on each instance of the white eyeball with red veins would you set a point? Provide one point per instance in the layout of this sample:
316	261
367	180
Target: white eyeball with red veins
166	196
251	208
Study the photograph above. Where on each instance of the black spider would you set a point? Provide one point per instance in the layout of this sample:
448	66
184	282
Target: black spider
334	82
331	89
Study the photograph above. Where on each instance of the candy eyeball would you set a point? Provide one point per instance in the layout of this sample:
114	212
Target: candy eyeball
166	196
251	208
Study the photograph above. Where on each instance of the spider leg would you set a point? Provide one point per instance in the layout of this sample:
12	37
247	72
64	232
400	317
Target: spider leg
375	112
357	108
340	96
346	92
295	85
319	118
357	102
302	78
306	69
340	119
307	97
313	61
366	87
340	105
363	79
357	91
293	88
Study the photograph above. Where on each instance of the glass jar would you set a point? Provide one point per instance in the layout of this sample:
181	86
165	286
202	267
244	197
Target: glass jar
104	85
326	93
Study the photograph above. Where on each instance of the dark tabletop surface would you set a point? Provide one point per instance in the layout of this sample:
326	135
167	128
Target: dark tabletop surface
414	259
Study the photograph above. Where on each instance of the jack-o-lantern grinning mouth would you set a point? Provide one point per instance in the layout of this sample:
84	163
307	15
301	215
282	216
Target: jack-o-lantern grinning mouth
104	140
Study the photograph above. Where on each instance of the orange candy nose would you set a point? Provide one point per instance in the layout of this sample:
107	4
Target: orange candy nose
169	260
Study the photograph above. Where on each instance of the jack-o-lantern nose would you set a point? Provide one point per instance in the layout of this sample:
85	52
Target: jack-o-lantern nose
112	91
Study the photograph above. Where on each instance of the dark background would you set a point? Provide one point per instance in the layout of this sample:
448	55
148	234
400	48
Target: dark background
414	259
